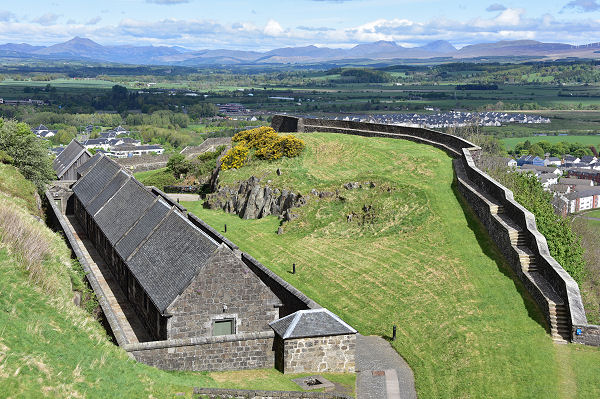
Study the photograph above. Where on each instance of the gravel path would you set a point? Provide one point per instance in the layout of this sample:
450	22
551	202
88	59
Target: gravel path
382	373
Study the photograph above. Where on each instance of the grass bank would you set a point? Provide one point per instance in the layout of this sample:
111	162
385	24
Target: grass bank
417	259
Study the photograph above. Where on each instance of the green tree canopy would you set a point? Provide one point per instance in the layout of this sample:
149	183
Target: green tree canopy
28	152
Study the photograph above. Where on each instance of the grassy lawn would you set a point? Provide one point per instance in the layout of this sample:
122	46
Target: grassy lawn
592	214
418	260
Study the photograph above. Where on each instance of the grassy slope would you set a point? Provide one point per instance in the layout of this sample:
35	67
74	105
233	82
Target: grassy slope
50	346
465	325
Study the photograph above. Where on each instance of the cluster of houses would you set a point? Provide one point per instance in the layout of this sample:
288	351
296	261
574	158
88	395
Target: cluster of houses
29	101
449	119
575	182
112	143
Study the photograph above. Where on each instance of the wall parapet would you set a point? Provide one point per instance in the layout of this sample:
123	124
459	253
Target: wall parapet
259	394
196	341
71	241
560	281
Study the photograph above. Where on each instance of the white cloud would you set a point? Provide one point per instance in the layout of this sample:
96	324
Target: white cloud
6	16
273	28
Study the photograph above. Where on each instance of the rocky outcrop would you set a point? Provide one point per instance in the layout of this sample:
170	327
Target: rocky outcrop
250	200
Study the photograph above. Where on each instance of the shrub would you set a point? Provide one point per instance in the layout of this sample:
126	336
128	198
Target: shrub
235	158
268	144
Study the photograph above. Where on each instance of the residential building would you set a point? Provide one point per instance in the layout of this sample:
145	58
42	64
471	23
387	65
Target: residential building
126	150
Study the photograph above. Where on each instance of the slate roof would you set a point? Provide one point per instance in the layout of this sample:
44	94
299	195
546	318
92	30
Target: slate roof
310	323
107	192
85	167
590	192
67	157
89	185
142	228
170	258
575	181
123	209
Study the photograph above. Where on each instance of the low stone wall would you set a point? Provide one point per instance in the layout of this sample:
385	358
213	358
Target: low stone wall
331	354
465	152
227	352
143	163
219	393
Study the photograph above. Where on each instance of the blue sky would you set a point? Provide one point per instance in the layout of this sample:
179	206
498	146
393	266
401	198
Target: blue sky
264	24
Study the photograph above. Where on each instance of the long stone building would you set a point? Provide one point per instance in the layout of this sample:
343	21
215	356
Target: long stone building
196	295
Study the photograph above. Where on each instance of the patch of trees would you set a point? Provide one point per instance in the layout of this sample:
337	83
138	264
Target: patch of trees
554	149
21	148
363	75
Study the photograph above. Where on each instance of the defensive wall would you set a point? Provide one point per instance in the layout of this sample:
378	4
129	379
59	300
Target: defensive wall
511	226
230	352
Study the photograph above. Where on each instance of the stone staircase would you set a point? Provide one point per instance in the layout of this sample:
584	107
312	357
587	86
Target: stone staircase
558	313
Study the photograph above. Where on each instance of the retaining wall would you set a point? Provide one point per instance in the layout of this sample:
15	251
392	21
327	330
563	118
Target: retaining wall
226	352
219	393
465	152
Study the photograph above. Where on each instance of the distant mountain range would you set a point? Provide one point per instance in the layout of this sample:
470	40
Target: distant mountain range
85	49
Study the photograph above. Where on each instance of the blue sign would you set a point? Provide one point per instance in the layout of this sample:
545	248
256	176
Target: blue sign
578	331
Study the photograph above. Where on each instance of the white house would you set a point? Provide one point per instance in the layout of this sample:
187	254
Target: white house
127	151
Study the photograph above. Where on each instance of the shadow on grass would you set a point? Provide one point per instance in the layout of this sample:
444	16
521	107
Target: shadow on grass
491	250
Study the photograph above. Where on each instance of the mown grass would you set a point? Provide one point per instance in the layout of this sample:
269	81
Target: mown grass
158	178
465	325
51	348
592	214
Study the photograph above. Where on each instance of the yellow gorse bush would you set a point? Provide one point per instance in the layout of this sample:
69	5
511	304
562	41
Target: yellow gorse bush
267	143
235	158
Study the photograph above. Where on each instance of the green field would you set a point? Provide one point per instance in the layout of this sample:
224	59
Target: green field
418	260
593	214
51	348
594	140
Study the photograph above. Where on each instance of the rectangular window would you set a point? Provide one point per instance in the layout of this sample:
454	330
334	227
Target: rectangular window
223	327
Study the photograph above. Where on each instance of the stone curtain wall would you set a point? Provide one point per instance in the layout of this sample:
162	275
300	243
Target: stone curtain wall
465	151
332	354
227	352
219	393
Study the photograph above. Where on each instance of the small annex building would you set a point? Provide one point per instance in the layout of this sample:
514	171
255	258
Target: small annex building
202	303
66	163
314	340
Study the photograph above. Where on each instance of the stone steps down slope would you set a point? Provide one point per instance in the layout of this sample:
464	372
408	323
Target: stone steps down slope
556	311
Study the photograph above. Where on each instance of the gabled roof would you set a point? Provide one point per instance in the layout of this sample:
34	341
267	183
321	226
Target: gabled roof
123	209
68	156
142	228
89	164
170	258
89	185
311	323
107	192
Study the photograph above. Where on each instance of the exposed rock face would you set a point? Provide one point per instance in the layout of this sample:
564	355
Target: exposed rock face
250	200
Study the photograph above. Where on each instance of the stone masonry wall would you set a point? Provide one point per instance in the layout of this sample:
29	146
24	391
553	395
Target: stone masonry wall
332	354
243	352
224	289
220	393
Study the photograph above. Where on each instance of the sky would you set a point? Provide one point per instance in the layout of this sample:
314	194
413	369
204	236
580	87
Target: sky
264	24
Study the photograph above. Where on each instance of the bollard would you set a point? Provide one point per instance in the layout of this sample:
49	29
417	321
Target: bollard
178	200
293	268
225	228
394	333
